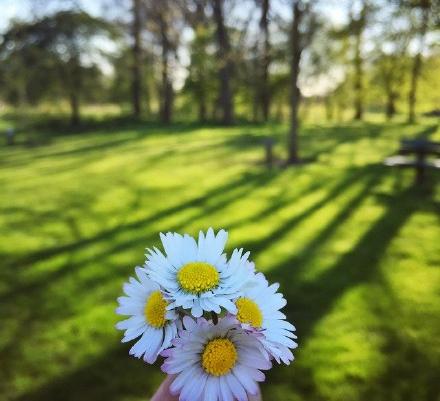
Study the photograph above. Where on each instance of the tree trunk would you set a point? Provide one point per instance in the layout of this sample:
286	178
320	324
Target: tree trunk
391	105
279	114
358	72
202	112
75	81
137	60
328	104
358	89
254	85
201	29
417	67
226	67
359	25
295	94
265	62
200	71
75	117
167	88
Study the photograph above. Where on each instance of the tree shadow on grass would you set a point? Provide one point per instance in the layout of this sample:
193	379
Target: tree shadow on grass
112	376
409	371
409	374
311	301
220	196
427	132
358	265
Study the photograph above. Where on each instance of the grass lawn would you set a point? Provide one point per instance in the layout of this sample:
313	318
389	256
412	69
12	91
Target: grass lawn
354	245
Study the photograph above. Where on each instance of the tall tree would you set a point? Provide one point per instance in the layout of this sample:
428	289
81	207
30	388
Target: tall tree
357	27
390	63
137	58
302	29
422	10
225	64
391	77
165	23
167	87
199	68
265	95
295	93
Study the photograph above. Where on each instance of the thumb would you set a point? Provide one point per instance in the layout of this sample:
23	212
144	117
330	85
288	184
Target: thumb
163	392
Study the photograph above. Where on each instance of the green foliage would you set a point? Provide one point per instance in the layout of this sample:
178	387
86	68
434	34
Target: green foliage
353	244
47	58
120	84
201	83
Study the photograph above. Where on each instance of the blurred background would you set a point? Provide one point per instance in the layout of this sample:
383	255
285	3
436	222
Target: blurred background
283	121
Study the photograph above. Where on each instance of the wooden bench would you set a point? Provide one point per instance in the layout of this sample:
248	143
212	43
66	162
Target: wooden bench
420	149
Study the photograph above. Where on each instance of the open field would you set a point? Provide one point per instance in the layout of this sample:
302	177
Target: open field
354	245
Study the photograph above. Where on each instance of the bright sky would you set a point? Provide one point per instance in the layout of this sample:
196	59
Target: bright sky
10	9
22	9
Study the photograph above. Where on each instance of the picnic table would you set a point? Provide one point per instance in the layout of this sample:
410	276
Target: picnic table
421	151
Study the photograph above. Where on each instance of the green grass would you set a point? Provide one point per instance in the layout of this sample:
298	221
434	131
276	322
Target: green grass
354	245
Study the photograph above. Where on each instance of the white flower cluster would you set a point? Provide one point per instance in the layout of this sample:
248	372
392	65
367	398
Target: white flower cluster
215	320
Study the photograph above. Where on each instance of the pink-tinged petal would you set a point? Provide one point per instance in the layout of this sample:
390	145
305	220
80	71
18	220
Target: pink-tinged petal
211	388
180	380
255	374
236	388
252	360
165	368
225	391
189	323
193	389
174	368
167	352
196	392
243	376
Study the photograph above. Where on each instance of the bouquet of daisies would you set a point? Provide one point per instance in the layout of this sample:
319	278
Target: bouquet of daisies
215	320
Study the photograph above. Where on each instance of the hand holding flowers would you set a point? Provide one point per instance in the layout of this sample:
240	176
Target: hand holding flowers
215	320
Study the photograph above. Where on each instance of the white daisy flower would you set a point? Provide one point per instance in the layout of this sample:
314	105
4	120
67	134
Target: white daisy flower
197	275
219	362
149	319
259	309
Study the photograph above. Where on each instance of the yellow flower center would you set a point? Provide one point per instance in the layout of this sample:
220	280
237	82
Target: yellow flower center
198	277
219	356
155	310
249	312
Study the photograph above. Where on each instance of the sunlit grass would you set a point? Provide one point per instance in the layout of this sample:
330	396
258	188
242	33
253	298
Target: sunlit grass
353	244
